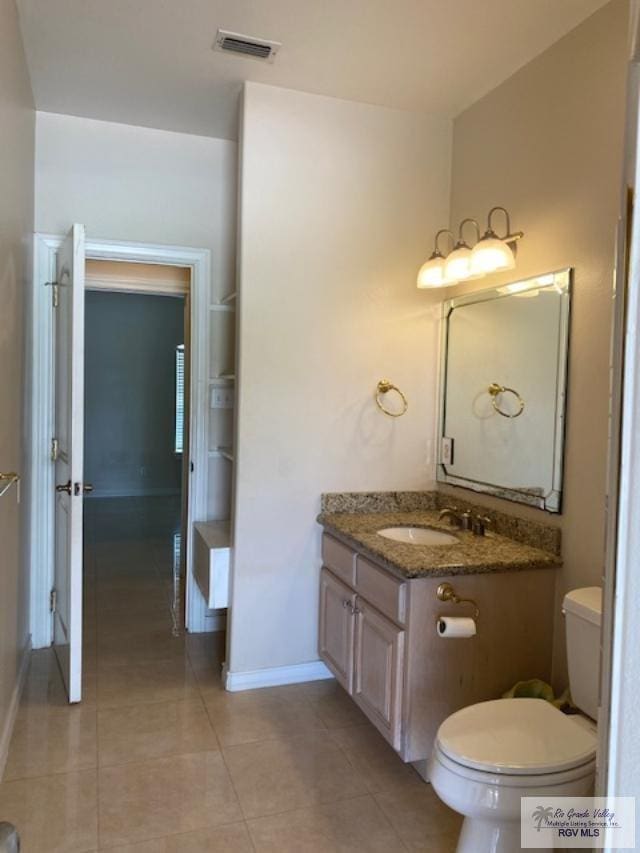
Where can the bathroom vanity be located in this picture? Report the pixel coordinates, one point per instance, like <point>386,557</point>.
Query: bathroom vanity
<point>379,610</point>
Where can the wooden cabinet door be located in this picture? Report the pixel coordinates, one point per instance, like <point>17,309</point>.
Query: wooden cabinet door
<point>337,604</point>
<point>379,665</point>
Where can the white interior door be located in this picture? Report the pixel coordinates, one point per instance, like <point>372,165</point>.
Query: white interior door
<point>69,425</point>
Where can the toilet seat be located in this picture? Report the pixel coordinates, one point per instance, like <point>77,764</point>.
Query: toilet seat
<point>526,785</point>
<point>515,737</point>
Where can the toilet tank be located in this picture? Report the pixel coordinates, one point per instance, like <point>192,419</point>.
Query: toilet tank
<point>583,613</point>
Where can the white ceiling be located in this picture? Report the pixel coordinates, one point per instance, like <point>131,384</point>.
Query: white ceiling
<point>149,62</point>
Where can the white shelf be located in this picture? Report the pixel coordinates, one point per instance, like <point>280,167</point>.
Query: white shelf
<point>222,452</point>
<point>212,541</point>
<point>216,534</point>
<point>225,304</point>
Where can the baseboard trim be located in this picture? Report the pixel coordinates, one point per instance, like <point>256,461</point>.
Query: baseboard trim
<point>275,676</point>
<point>7,728</point>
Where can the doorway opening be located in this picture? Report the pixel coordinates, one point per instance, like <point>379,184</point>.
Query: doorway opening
<point>57,375</point>
<point>135,446</point>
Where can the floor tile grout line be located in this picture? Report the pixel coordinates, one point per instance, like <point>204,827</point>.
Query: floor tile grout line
<point>233,784</point>
<point>171,754</point>
<point>251,838</point>
<point>277,739</point>
<point>319,804</point>
<point>210,721</point>
<point>50,775</point>
<point>388,819</point>
<point>176,835</point>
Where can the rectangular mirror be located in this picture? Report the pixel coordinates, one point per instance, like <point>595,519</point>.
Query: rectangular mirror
<point>503,388</point>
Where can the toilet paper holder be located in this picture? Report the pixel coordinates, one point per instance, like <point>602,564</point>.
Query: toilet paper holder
<point>446,592</point>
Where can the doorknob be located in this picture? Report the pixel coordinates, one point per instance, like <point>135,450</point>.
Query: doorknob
<point>80,488</point>
<point>66,488</point>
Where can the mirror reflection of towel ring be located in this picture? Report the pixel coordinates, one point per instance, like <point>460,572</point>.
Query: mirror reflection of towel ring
<point>384,386</point>
<point>495,390</point>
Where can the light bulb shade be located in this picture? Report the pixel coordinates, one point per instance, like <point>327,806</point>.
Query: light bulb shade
<point>491,255</point>
<point>431,273</point>
<point>458,265</point>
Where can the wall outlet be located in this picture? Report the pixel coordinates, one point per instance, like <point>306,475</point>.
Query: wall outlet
<point>222,398</point>
<point>446,451</point>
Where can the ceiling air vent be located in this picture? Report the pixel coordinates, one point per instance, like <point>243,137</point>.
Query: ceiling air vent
<point>254,48</point>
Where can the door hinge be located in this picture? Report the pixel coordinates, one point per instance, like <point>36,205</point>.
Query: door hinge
<point>54,449</point>
<point>55,292</point>
<point>53,600</point>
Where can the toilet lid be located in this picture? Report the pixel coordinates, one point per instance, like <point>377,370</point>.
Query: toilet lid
<point>515,736</point>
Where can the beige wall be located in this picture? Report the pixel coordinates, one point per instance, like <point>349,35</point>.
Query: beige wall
<point>547,144</point>
<point>137,183</point>
<point>17,119</point>
<point>337,199</point>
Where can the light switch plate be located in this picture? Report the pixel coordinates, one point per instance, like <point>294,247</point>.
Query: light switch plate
<point>446,451</point>
<point>222,398</point>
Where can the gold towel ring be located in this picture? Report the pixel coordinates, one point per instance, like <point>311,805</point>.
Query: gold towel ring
<point>494,389</point>
<point>384,386</point>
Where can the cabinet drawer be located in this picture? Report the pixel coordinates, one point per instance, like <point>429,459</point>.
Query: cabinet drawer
<point>381,589</point>
<point>338,558</point>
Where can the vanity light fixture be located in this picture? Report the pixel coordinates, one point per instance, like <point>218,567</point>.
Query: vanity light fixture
<point>493,253</point>
<point>490,253</point>
<point>458,264</point>
<point>431,272</point>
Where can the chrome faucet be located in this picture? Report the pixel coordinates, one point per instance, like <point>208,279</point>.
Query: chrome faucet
<point>480,524</point>
<point>466,520</point>
<point>463,520</point>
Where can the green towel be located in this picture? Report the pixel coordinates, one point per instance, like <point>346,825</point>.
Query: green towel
<point>535,688</point>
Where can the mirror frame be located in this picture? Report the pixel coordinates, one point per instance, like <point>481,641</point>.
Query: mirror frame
<point>552,501</point>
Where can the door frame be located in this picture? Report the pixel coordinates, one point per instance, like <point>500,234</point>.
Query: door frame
<point>619,717</point>
<point>40,400</point>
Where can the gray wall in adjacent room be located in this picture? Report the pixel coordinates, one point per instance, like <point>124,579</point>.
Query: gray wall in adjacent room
<point>130,393</point>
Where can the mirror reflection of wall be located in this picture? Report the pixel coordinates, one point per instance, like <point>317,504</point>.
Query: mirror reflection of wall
<point>502,407</point>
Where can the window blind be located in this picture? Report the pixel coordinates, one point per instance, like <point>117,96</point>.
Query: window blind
<point>179,432</point>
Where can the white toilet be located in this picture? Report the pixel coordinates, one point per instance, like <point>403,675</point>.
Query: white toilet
<point>487,756</point>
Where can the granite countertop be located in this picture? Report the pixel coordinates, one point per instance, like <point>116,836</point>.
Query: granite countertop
<point>474,554</point>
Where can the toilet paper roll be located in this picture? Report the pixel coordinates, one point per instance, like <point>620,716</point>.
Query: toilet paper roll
<point>450,627</point>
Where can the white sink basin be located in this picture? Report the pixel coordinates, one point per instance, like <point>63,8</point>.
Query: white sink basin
<point>418,536</point>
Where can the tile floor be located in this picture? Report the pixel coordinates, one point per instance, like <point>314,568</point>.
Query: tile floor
<point>158,758</point>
